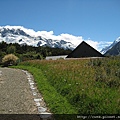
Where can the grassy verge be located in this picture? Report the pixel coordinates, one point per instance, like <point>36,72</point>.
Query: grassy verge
<point>57,103</point>
<point>78,86</point>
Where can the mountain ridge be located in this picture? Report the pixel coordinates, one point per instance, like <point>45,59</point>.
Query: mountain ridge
<point>24,36</point>
<point>21,35</point>
<point>114,51</point>
<point>104,50</point>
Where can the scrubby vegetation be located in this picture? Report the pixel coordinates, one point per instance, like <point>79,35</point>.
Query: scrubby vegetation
<point>10,59</point>
<point>83,86</point>
<point>25,52</point>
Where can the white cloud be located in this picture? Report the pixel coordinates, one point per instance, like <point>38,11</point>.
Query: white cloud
<point>73,39</point>
<point>76,40</point>
<point>103,44</point>
<point>92,43</point>
<point>45,34</point>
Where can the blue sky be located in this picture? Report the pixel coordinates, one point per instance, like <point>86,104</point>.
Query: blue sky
<point>98,20</point>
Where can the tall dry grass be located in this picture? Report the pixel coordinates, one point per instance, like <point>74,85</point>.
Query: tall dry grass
<point>91,86</point>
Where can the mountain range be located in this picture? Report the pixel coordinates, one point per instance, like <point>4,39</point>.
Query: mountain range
<point>23,36</point>
<point>18,35</point>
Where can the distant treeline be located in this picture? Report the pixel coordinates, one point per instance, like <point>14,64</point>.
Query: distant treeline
<point>25,52</point>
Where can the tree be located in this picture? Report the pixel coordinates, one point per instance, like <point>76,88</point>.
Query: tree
<point>11,49</point>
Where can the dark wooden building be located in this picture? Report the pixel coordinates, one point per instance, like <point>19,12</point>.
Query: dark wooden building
<point>84,50</point>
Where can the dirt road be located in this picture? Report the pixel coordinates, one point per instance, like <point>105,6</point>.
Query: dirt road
<point>15,94</point>
<point>19,95</point>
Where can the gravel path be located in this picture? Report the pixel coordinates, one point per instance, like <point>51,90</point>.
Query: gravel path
<point>15,94</point>
<point>19,94</point>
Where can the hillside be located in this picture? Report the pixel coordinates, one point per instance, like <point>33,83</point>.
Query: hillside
<point>104,50</point>
<point>25,52</point>
<point>114,51</point>
<point>84,86</point>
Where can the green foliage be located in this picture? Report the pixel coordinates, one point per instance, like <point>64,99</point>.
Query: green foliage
<point>57,103</point>
<point>25,52</point>
<point>11,50</point>
<point>90,86</point>
<point>108,72</point>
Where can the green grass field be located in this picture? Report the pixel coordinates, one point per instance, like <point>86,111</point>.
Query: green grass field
<point>82,86</point>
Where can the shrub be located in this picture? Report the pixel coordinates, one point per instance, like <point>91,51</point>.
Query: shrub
<point>10,59</point>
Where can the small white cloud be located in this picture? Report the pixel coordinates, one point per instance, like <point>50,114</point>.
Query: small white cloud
<point>76,40</point>
<point>45,34</point>
<point>103,44</point>
<point>92,43</point>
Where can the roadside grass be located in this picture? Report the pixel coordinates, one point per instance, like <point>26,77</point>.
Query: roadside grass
<point>57,103</point>
<point>83,86</point>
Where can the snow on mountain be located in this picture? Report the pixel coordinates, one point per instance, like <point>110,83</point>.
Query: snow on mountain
<point>21,35</point>
<point>114,51</point>
<point>104,50</point>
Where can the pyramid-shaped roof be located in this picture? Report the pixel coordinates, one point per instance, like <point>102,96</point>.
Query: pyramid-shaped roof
<point>84,50</point>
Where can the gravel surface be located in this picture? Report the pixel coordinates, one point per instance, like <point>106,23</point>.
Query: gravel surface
<point>15,94</point>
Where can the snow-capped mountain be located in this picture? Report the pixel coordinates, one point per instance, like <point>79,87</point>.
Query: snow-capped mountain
<point>114,51</point>
<point>104,50</point>
<point>21,35</point>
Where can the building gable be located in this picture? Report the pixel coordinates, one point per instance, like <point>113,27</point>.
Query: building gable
<point>84,50</point>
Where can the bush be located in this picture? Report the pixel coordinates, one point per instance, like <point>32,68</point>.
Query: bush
<point>10,59</point>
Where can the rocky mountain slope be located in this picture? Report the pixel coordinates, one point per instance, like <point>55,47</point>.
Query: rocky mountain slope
<point>11,34</point>
<point>23,36</point>
<point>106,49</point>
<point>114,51</point>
